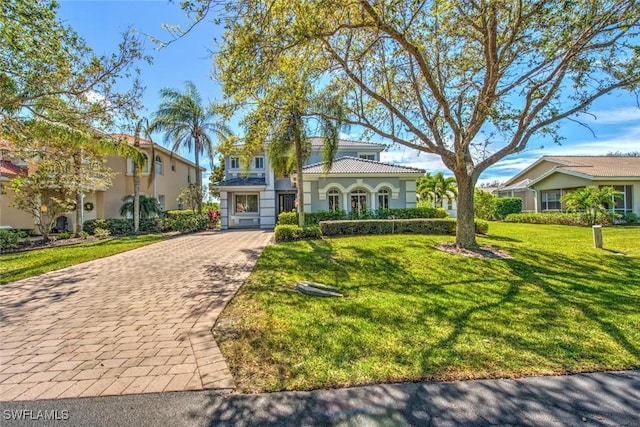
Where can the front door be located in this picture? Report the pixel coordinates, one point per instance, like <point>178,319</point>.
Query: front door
<point>286,203</point>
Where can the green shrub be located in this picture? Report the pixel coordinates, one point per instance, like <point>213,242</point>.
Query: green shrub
<point>484,205</point>
<point>288,218</point>
<point>402,226</point>
<point>631,218</point>
<point>311,232</point>
<point>556,218</point>
<point>482,226</point>
<point>287,233</point>
<point>84,235</point>
<point>504,206</point>
<point>189,223</point>
<point>64,235</point>
<point>180,212</point>
<point>8,239</point>
<point>101,233</point>
<point>314,218</point>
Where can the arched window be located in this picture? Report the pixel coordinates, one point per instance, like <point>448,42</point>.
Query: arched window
<point>358,201</point>
<point>334,200</point>
<point>159,169</point>
<point>383,199</point>
<point>145,170</point>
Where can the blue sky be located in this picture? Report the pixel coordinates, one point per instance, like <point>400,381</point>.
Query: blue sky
<point>616,124</point>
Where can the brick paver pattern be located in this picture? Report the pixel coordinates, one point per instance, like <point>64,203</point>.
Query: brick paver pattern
<point>136,322</point>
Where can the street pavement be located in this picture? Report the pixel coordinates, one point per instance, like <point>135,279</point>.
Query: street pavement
<point>598,399</point>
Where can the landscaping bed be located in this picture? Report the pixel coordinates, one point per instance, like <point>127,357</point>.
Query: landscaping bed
<point>411,312</point>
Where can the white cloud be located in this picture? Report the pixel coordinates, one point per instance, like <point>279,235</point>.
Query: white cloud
<point>613,116</point>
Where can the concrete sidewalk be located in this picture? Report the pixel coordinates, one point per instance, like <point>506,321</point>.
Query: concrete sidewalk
<point>611,399</point>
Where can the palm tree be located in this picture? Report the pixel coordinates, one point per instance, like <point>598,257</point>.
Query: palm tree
<point>189,124</point>
<point>149,206</point>
<point>436,187</point>
<point>281,121</point>
<point>142,127</point>
<point>592,200</point>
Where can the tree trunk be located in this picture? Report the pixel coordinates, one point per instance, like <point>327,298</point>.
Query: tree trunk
<point>466,229</point>
<point>136,189</point>
<point>300,201</point>
<point>77,163</point>
<point>136,199</point>
<point>198,177</point>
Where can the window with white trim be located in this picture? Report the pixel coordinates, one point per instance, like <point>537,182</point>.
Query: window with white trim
<point>551,200</point>
<point>383,199</point>
<point>161,200</point>
<point>159,167</point>
<point>246,203</point>
<point>235,162</point>
<point>367,156</point>
<point>623,203</point>
<point>145,169</point>
<point>334,200</point>
<point>358,201</point>
<point>258,162</point>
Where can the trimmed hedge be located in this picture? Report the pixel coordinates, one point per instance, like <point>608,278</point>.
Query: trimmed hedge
<point>504,206</point>
<point>179,212</point>
<point>290,218</point>
<point>290,232</point>
<point>183,223</point>
<point>557,218</point>
<point>314,218</point>
<point>385,226</point>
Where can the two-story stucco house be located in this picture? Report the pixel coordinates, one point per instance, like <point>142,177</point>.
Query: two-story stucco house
<point>172,174</point>
<point>357,181</point>
<point>541,185</point>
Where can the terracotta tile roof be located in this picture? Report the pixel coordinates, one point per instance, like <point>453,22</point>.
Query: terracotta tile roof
<point>347,165</point>
<point>599,166</point>
<point>10,169</point>
<point>343,143</point>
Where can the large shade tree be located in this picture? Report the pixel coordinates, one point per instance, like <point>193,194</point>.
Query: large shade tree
<point>469,81</point>
<point>188,123</point>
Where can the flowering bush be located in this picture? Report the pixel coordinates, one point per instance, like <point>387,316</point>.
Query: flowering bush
<point>214,217</point>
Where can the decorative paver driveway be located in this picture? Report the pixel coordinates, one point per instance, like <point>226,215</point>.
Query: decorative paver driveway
<point>136,322</point>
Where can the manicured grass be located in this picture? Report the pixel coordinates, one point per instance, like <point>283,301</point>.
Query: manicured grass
<point>411,312</point>
<point>20,265</point>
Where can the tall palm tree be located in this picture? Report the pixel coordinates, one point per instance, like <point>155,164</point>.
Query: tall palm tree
<point>281,121</point>
<point>142,127</point>
<point>189,124</point>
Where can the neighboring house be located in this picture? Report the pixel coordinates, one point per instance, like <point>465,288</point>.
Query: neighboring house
<point>357,181</point>
<point>541,185</point>
<point>10,216</point>
<point>172,174</point>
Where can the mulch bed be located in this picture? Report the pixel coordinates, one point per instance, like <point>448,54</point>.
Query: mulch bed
<point>480,252</point>
<point>53,243</point>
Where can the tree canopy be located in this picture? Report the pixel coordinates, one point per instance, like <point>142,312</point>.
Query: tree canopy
<point>469,81</point>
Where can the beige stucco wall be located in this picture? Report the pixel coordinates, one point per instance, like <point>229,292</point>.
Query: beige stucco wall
<point>168,184</point>
<point>534,172</point>
<point>10,216</point>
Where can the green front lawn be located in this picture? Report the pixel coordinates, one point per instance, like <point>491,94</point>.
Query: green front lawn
<point>412,312</point>
<point>20,265</point>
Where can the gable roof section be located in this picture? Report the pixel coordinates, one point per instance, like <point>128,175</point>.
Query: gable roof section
<point>585,166</point>
<point>146,143</point>
<point>597,168</point>
<point>353,165</point>
<point>600,166</point>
